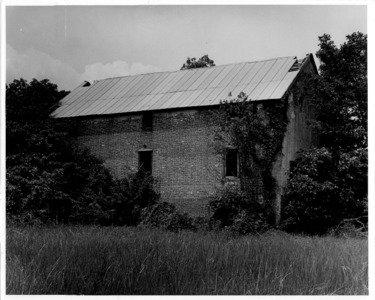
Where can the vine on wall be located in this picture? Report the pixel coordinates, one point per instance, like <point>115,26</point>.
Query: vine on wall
<point>257,130</point>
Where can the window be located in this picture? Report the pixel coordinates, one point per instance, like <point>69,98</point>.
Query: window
<point>147,119</point>
<point>231,162</point>
<point>145,161</point>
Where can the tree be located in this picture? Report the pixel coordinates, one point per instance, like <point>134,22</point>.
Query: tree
<point>31,101</point>
<point>193,63</point>
<point>28,106</point>
<point>50,179</point>
<point>321,194</point>
<point>343,94</point>
<point>328,184</point>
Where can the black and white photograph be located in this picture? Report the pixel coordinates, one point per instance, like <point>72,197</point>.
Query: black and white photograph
<point>184,149</point>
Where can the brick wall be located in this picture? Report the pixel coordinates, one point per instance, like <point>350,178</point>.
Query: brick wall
<point>186,163</point>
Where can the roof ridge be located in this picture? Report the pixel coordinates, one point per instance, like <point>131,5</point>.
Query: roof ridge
<point>235,63</point>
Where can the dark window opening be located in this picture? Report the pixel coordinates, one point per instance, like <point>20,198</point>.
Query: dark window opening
<point>145,161</point>
<point>231,162</point>
<point>147,119</point>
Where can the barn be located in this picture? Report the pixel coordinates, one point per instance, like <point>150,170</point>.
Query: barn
<point>158,121</point>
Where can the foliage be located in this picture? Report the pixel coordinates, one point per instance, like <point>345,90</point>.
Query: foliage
<point>193,63</point>
<point>105,201</point>
<point>205,224</point>
<point>328,184</point>
<point>339,94</point>
<point>31,101</point>
<point>343,106</point>
<point>257,131</point>
<point>165,215</point>
<point>131,195</point>
<point>28,106</point>
<point>319,196</point>
<point>52,186</point>
<point>34,149</point>
<point>50,179</point>
<point>350,228</point>
<point>79,191</point>
<point>76,260</point>
<point>238,213</point>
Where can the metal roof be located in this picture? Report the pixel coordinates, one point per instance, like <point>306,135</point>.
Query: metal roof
<point>260,80</point>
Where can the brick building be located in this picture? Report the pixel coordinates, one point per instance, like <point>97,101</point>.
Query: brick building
<point>160,121</point>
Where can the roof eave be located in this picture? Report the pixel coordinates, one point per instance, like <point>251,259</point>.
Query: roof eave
<point>205,107</point>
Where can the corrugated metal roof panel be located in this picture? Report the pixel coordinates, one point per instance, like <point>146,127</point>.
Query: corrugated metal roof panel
<point>150,89</point>
<point>126,84</point>
<point>92,93</point>
<point>261,80</point>
<point>284,85</point>
<point>137,104</point>
<point>73,95</point>
<point>218,76</point>
<point>277,79</point>
<point>195,76</point>
<point>156,104</point>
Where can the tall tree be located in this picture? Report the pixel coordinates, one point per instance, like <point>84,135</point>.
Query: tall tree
<point>49,178</point>
<point>343,92</point>
<point>45,173</point>
<point>31,101</point>
<point>328,184</point>
<point>28,106</point>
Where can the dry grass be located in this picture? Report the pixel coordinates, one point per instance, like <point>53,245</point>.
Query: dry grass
<point>108,261</point>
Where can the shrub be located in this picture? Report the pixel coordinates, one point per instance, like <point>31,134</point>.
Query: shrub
<point>234,211</point>
<point>165,215</point>
<point>51,180</point>
<point>321,193</point>
<point>351,228</point>
<point>201,223</point>
<point>131,195</point>
<point>226,205</point>
<point>180,221</point>
<point>248,222</point>
<point>79,190</point>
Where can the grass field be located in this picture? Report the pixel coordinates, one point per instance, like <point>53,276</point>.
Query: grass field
<point>97,260</point>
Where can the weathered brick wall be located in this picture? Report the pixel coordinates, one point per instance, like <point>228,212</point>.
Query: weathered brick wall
<point>186,163</point>
<point>299,135</point>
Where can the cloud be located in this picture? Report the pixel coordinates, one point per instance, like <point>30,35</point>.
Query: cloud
<point>117,68</point>
<point>36,64</point>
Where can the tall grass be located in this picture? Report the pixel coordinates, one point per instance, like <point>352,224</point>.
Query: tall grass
<point>94,260</point>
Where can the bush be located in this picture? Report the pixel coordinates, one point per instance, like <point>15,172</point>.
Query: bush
<point>248,222</point>
<point>79,191</point>
<point>321,193</point>
<point>165,215</point>
<point>227,204</point>
<point>203,224</point>
<point>350,228</point>
<point>56,186</point>
<point>130,195</point>
<point>51,180</point>
<point>234,211</point>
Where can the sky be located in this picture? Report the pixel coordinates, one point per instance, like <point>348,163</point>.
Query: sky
<point>70,44</point>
